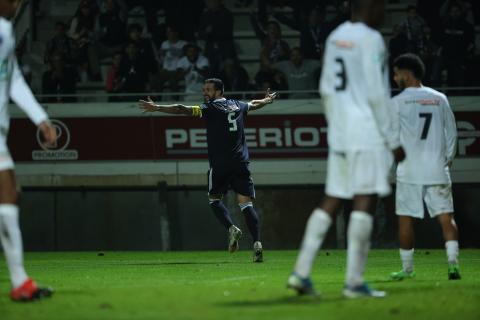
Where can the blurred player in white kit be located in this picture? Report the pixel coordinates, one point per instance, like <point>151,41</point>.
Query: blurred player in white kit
<point>361,138</point>
<point>429,134</point>
<point>13,86</point>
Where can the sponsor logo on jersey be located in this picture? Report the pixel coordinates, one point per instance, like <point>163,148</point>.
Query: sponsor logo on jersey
<point>344,44</point>
<point>424,102</point>
<point>57,151</point>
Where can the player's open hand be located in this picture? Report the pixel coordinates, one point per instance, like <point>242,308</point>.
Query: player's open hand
<point>269,97</point>
<point>147,105</point>
<point>49,133</point>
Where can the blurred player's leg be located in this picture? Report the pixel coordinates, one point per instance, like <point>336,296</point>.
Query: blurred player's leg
<point>359,231</point>
<point>317,227</point>
<point>9,229</point>
<point>450,234</point>
<point>24,289</point>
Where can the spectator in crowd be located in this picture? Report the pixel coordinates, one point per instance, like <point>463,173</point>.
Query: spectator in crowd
<point>301,74</point>
<point>113,84</point>
<point>59,80</point>
<point>300,9</point>
<point>112,25</point>
<point>413,26</point>
<point>144,46</point>
<point>82,31</point>
<point>151,8</point>
<point>235,77</point>
<point>397,45</point>
<point>194,68</point>
<point>171,51</point>
<point>216,28</point>
<point>430,11</point>
<point>429,52</point>
<point>465,6</point>
<point>272,79</point>
<point>274,48</point>
<point>457,42</point>
<point>313,32</point>
<point>186,21</point>
<point>61,44</point>
<point>133,72</point>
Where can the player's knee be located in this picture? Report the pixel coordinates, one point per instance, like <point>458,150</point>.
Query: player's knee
<point>447,221</point>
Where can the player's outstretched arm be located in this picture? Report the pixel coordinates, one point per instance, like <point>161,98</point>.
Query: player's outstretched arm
<point>258,104</point>
<point>22,95</point>
<point>150,106</point>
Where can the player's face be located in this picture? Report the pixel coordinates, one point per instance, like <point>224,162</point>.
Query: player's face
<point>400,77</point>
<point>8,8</point>
<point>210,93</point>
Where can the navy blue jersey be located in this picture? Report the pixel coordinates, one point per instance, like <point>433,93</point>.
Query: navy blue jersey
<point>225,131</point>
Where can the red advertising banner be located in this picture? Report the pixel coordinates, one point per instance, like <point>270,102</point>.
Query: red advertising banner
<point>155,138</point>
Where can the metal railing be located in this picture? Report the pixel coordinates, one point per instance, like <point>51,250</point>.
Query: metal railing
<point>180,96</point>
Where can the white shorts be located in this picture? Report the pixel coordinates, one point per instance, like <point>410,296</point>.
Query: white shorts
<point>6,162</point>
<point>362,172</point>
<point>409,199</point>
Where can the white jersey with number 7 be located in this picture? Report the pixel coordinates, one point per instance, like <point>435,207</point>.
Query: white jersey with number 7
<point>428,133</point>
<point>355,90</point>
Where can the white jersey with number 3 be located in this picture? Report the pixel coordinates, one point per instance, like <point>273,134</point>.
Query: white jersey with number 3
<point>354,88</point>
<point>428,133</point>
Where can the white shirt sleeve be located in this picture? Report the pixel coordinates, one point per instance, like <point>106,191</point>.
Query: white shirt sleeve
<point>450,132</point>
<point>374,63</point>
<point>23,97</point>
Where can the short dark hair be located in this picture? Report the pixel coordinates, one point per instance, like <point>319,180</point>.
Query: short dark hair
<point>217,83</point>
<point>411,62</point>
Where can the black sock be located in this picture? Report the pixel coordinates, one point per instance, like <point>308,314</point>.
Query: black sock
<point>251,220</point>
<point>221,212</point>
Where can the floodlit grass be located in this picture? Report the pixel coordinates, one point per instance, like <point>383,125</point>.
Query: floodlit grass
<point>219,285</point>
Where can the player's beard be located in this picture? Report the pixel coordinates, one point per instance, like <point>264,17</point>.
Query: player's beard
<point>402,84</point>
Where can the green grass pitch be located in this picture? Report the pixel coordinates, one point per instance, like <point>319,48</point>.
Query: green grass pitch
<point>219,285</point>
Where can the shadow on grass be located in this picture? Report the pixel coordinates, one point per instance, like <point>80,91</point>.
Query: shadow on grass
<point>279,301</point>
<point>179,263</point>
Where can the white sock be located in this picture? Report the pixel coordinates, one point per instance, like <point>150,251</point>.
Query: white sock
<point>359,231</point>
<point>407,259</point>
<point>452,251</point>
<point>11,239</point>
<point>317,228</point>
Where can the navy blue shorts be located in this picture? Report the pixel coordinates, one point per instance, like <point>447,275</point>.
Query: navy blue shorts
<point>234,176</point>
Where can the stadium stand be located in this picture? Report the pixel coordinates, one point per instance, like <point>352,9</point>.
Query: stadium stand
<point>247,47</point>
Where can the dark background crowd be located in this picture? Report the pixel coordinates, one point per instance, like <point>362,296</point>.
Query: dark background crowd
<point>166,57</point>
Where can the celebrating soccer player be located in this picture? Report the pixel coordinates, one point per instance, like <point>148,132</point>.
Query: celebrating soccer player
<point>13,86</point>
<point>227,154</point>
<point>429,134</point>
<point>354,88</point>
